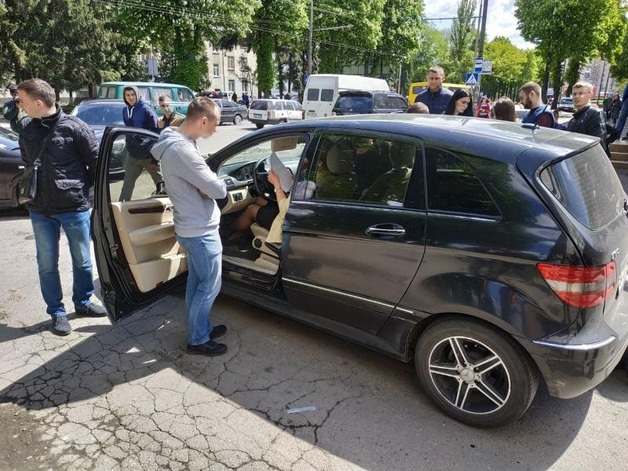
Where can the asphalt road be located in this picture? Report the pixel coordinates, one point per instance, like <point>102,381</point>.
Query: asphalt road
<point>126,397</point>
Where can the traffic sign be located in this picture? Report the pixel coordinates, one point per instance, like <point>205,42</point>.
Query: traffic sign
<point>471,79</point>
<point>479,61</point>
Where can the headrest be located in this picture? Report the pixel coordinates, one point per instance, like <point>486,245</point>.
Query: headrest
<point>401,155</point>
<point>339,160</point>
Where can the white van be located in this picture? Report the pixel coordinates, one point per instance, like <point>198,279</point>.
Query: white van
<point>321,91</point>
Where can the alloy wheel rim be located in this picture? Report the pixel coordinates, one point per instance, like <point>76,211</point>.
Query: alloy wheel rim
<point>469,375</point>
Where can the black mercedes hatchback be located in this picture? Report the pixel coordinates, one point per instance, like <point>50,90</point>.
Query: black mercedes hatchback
<point>492,255</point>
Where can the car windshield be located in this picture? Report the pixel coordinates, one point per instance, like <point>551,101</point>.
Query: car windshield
<point>101,114</point>
<point>8,139</point>
<point>566,101</point>
<point>588,187</point>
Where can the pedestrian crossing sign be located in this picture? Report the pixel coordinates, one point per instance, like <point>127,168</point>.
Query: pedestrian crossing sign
<point>471,79</point>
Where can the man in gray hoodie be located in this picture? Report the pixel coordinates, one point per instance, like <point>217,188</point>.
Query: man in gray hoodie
<point>193,189</point>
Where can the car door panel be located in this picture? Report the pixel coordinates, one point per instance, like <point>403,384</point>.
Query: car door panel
<point>138,257</point>
<point>333,265</point>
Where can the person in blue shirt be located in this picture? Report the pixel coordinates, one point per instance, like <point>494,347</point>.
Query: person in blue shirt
<point>138,114</point>
<point>435,96</point>
<point>539,114</point>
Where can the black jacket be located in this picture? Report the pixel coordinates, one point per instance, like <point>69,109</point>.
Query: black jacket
<point>68,165</point>
<point>588,120</point>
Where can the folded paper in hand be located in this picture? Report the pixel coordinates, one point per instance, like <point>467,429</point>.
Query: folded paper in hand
<point>285,176</point>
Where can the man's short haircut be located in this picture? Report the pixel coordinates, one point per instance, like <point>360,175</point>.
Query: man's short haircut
<point>203,107</point>
<point>437,69</point>
<point>530,87</point>
<point>582,84</point>
<point>163,99</point>
<point>39,90</point>
<point>418,108</point>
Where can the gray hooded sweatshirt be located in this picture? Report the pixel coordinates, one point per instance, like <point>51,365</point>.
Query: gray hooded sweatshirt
<point>191,185</point>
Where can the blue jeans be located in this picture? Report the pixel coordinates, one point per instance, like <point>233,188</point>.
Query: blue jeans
<point>204,256</point>
<point>47,231</point>
<point>623,114</point>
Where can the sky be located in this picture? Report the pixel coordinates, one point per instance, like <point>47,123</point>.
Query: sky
<point>500,20</point>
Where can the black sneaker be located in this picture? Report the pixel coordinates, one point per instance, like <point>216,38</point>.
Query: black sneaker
<point>209,348</point>
<point>61,326</point>
<point>91,310</point>
<point>218,331</point>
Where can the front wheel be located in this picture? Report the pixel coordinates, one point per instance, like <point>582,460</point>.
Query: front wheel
<point>476,373</point>
<point>237,119</point>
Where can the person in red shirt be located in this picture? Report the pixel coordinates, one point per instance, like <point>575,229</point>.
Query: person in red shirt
<point>484,108</point>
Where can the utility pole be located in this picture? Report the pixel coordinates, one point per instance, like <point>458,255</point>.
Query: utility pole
<point>309,44</point>
<point>483,14</point>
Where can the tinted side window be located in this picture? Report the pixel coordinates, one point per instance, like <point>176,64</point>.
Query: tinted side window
<point>167,92</point>
<point>289,106</point>
<point>102,92</point>
<point>327,94</point>
<point>312,94</point>
<point>278,105</point>
<point>362,169</point>
<point>452,185</point>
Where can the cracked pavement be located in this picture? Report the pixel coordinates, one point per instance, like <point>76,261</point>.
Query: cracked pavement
<point>127,397</point>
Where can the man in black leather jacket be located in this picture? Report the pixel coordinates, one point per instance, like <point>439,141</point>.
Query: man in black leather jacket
<point>587,119</point>
<point>67,169</point>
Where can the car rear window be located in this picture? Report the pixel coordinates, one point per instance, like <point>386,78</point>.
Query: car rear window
<point>587,186</point>
<point>355,103</point>
<point>259,105</point>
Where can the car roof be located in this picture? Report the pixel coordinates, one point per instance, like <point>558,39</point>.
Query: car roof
<point>488,138</point>
<point>101,101</point>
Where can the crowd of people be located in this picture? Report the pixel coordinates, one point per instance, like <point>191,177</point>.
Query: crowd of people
<point>606,123</point>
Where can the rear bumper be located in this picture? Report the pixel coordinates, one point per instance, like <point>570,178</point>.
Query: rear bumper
<point>264,121</point>
<point>572,364</point>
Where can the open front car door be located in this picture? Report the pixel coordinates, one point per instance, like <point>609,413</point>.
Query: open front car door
<point>137,255</point>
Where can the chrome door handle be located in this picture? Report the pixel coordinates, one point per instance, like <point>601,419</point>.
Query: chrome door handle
<point>386,230</point>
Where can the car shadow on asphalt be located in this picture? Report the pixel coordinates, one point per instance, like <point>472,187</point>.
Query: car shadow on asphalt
<point>359,405</point>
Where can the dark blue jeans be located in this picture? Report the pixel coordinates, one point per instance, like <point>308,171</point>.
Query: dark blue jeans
<point>621,122</point>
<point>47,231</point>
<point>204,256</point>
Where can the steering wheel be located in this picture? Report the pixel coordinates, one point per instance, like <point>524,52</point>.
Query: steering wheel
<point>260,179</point>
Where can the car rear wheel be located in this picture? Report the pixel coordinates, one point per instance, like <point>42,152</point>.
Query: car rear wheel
<point>476,373</point>
<point>259,125</point>
<point>237,119</point>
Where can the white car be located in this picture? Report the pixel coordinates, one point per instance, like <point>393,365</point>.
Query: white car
<point>273,111</point>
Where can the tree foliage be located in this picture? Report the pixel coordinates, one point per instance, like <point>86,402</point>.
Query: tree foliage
<point>461,40</point>
<point>571,29</point>
<point>180,29</point>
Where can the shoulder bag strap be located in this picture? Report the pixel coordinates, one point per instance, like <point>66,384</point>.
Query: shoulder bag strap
<point>37,161</point>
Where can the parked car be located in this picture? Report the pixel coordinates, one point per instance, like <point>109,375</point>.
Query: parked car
<point>367,102</point>
<point>492,255</point>
<point>10,165</point>
<point>566,104</point>
<point>180,96</point>
<point>98,114</point>
<point>231,112</point>
<point>273,111</point>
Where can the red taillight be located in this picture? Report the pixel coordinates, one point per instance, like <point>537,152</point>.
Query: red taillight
<point>580,286</point>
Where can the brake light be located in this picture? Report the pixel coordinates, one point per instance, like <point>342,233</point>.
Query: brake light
<point>580,286</point>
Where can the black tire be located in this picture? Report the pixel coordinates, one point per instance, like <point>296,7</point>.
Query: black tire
<point>259,125</point>
<point>237,119</point>
<point>447,358</point>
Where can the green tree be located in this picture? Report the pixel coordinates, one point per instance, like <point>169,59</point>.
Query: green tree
<point>576,29</point>
<point>180,29</point>
<point>461,40</point>
<point>510,68</point>
<point>401,28</point>
<point>433,50</point>
<point>337,48</point>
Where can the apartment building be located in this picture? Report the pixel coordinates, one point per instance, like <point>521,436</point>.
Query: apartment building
<point>232,70</point>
